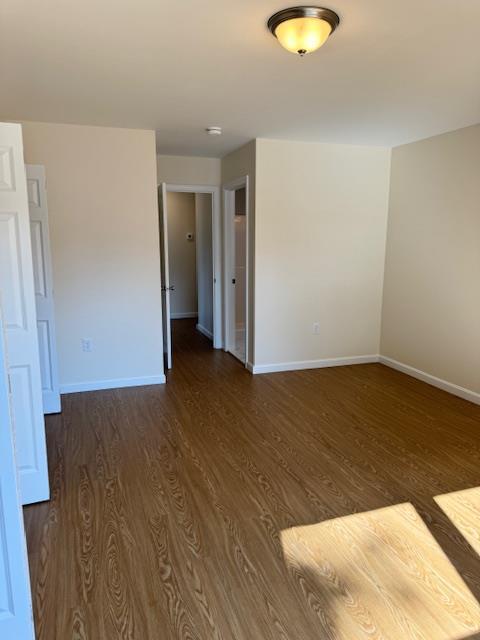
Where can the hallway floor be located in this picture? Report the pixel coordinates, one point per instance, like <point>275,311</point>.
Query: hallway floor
<point>305,505</point>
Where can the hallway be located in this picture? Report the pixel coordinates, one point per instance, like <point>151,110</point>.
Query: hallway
<point>216,507</point>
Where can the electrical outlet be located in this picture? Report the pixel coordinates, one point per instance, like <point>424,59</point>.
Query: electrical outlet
<point>316,328</point>
<point>86,345</point>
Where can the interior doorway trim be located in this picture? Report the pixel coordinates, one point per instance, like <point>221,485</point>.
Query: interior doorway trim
<point>216,252</point>
<point>229,189</point>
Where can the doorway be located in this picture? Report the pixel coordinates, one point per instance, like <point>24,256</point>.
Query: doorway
<point>190,262</point>
<point>236,268</point>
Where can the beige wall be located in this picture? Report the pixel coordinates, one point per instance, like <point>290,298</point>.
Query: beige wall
<point>237,164</point>
<point>181,253</point>
<point>101,187</point>
<point>188,170</point>
<point>431,310</point>
<point>321,217</point>
<point>318,216</point>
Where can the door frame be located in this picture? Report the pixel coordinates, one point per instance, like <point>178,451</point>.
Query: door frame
<point>216,251</point>
<point>228,190</point>
<point>164,277</point>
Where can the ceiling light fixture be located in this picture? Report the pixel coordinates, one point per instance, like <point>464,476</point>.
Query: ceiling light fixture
<point>214,131</point>
<point>303,29</point>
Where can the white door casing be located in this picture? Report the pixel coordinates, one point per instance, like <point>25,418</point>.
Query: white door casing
<point>15,599</point>
<point>43,285</point>
<point>218,330</point>
<point>18,300</point>
<point>230,267</point>
<point>240,245</point>
<point>165,273</point>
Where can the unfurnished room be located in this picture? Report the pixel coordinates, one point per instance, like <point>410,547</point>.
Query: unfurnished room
<point>239,320</point>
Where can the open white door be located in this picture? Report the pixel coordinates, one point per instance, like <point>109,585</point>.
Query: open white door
<point>18,299</point>
<point>43,284</point>
<point>15,599</point>
<point>166,287</point>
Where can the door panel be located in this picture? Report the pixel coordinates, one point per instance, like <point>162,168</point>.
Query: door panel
<point>38,257</point>
<point>45,358</point>
<point>43,287</point>
<point>24,412</point>
<point>17,294</point>
<point>13,294</point>
<point>15,599</point>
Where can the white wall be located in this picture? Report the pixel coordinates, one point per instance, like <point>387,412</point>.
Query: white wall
<point>431,310</point>
<point>103,216</point>
<point>203,225</point>
<point>321,218</point>
<point>182,255</point>
<point>188,170</point>
<point>318,217</point>
<point>237,164</point>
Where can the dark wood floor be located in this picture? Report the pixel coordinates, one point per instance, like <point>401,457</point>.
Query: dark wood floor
<point>171,505</point>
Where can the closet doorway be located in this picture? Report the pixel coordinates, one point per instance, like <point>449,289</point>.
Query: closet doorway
<point>236,231</point>
<point>190,261</point>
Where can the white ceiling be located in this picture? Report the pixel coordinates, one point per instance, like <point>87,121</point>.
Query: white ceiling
<point>393,72</point>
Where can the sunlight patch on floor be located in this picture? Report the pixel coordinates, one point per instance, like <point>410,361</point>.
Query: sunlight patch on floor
<point>463,509</point>
<point>379,575</point>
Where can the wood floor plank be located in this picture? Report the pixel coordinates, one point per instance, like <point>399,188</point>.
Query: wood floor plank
<point>463,509</point>
<point>211,508</point>
<point>386,575</point>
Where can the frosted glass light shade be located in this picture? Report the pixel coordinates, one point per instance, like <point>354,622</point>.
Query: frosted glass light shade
<point>303,35</point>
<point>302,30</point>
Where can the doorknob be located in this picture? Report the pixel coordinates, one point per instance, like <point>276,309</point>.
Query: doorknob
<point>170,288</point>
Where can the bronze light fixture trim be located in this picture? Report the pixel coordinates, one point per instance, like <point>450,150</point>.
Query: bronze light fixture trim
<point>302,30</point>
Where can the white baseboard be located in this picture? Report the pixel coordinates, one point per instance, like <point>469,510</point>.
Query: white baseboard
<point>205,331</point>
<point>51,403</point>
<point>119,383</point>
<point>311,364</point>
<point>186,314</point>
<point>461,392</point>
